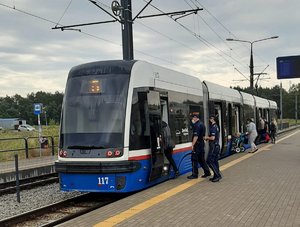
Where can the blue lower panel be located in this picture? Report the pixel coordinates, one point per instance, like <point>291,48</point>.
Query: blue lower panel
<point>88,182</point>
<point>120,182</point>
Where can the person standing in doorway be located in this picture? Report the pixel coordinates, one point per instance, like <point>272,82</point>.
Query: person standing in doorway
<point>252,134</point>
<point>214,149</point>
<point>167,146</point>
<point>198,152</point>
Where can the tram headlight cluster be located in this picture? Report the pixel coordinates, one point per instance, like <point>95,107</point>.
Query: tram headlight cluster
<point>63,153</point>
<point>113,154</point>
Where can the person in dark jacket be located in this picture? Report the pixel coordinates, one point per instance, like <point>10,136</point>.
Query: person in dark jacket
<point>198,152</point>
<point>167,146</point>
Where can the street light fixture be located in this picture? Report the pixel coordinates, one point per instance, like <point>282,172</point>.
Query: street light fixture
<point>251,54</point>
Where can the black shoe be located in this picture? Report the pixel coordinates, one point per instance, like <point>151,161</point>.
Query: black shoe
<point>217,179</point>
<point>176,174</point>
<point>206,175</point>
<point>214,178</point>
<point>192,177</point>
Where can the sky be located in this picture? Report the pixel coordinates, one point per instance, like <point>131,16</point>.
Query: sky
<point>34,57</point>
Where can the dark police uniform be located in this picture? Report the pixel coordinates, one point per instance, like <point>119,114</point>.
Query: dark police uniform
<point>214,150</point>
<point>198,152</point>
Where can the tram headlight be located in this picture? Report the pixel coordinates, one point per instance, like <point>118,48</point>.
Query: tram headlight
<point>63,153</point>
<point>109,154</point>
<point>117,153</point>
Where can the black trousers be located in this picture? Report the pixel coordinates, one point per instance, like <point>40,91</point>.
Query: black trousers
<point>168,154</point>
<point>198,157</point>
<point>212,159</point>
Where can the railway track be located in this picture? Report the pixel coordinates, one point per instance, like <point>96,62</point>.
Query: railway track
<point>10,187</point>
<point>61,212</point>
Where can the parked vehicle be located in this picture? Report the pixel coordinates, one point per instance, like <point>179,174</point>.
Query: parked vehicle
<point>26,128</point>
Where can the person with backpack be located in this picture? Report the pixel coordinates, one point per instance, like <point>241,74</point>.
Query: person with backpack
<point>273,129</point>
<point>167,146</point>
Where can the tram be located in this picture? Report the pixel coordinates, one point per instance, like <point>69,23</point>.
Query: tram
<point>111,123</point>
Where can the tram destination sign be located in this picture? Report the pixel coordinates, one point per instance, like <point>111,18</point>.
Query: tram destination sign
<point>288,67</point>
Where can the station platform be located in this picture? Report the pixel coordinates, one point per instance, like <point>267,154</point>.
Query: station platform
<point>259,189</point>
<point>27,168</point>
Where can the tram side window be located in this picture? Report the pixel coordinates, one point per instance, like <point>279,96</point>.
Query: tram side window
<point>248,113</point>
<point>178,117</point>
<point>139,136</point>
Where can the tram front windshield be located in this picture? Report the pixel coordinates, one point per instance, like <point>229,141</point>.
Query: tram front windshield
<point>93,113</point>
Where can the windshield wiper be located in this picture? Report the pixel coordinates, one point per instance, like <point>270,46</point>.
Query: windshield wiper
<point>85,147</point>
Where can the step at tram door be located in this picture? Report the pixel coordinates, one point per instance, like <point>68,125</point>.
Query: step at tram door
<point>157,110</point>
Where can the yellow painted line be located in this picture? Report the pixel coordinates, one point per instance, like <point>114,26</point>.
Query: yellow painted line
<point>159,198</point>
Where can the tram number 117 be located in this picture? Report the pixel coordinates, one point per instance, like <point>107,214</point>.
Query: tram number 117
<point>102,180</point>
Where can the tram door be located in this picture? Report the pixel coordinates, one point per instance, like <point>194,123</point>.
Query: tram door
<point>218,114</point>
<point>155,118</point>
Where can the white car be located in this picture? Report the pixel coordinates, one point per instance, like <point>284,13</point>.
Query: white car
<point>26,128</point>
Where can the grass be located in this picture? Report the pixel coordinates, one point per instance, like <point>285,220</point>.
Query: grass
<point>15,141</point>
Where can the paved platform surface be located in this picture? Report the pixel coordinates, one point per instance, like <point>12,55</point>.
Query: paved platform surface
<point>260,189</point>
<point>9,166</point>
<point>31,167</point>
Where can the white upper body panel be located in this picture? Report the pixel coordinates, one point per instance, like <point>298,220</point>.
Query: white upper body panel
<point>219,92</point>
<point>145,74</point>
<point>247,99</point>
<point>261,102</point>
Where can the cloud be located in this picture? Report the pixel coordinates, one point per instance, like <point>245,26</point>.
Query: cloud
<point>35,57</point>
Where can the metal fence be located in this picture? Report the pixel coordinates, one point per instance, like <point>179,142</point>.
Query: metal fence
<point>28,144</point>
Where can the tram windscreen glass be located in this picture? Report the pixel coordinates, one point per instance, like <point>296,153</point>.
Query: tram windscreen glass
<point>94,110</point>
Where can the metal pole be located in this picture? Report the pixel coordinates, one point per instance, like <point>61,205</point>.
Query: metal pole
<point>281,106</point>
<point>296,108</point>
<point>127,40</point>
<point>17,178</point>
<point>46,118</point>
<point>40,134</point>
<point>251,68</point>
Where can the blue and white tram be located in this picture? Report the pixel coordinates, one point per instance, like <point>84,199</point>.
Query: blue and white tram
<point>111,122</point>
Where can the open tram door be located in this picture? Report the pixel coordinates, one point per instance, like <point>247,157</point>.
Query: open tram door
<point>155,118</point>
<point>218,115</point>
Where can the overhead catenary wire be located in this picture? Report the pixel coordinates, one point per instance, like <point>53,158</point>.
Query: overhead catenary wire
<point>106,40</point>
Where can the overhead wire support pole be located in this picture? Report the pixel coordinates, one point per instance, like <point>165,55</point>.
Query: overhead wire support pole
<point>124,12</point>
<point>95,3</point>
<point>251,66</point>
<point>78,25</point>
<point>142,10</point>
<point>171,13</point>
<point>185,15</point>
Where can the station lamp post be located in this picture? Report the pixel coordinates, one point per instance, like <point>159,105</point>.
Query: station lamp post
<point>251,54</point>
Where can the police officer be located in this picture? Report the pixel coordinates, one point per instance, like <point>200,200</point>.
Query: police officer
<point>198,148</point>
<point>214,149</point>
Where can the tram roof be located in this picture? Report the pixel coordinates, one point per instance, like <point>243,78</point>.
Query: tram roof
<point>248,99</point>
<point>261,102</point>
<point>144,74</point>
<point>273,104</point>
<point>219,92</point>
